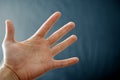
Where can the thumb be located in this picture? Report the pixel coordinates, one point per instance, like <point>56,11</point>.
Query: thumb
<point>9,36</point>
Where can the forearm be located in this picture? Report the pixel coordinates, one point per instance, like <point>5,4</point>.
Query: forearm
<point>7,74</point>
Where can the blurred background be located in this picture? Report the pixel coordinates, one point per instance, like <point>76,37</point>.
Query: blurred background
<point>97,28</point>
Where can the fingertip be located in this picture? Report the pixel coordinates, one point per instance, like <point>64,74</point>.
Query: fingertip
<point>76,59</point>
<point>72,23</point>
<point>73,61</point>
<point>58,12</point>
<point>7,21</point>
<point>74,37</point>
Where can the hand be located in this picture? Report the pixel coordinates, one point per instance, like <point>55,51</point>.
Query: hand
<point>35,56</point>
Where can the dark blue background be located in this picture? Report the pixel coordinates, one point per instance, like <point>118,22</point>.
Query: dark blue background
<point>97,28</point>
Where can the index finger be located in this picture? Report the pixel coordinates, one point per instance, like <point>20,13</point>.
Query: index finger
<point>43,30</point>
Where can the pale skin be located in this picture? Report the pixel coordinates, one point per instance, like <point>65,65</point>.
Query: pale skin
<point>35,56</point>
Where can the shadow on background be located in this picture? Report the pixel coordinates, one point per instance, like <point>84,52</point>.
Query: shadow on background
<point>97,28</point>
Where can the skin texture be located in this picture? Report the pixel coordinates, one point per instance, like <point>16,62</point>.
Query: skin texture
<point>7,74</point>
<point>35,56</point>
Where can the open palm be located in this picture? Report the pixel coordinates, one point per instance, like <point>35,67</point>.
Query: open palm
<point>35,56</point>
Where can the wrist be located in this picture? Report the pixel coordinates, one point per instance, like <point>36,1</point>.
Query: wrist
<point>7,73</point>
